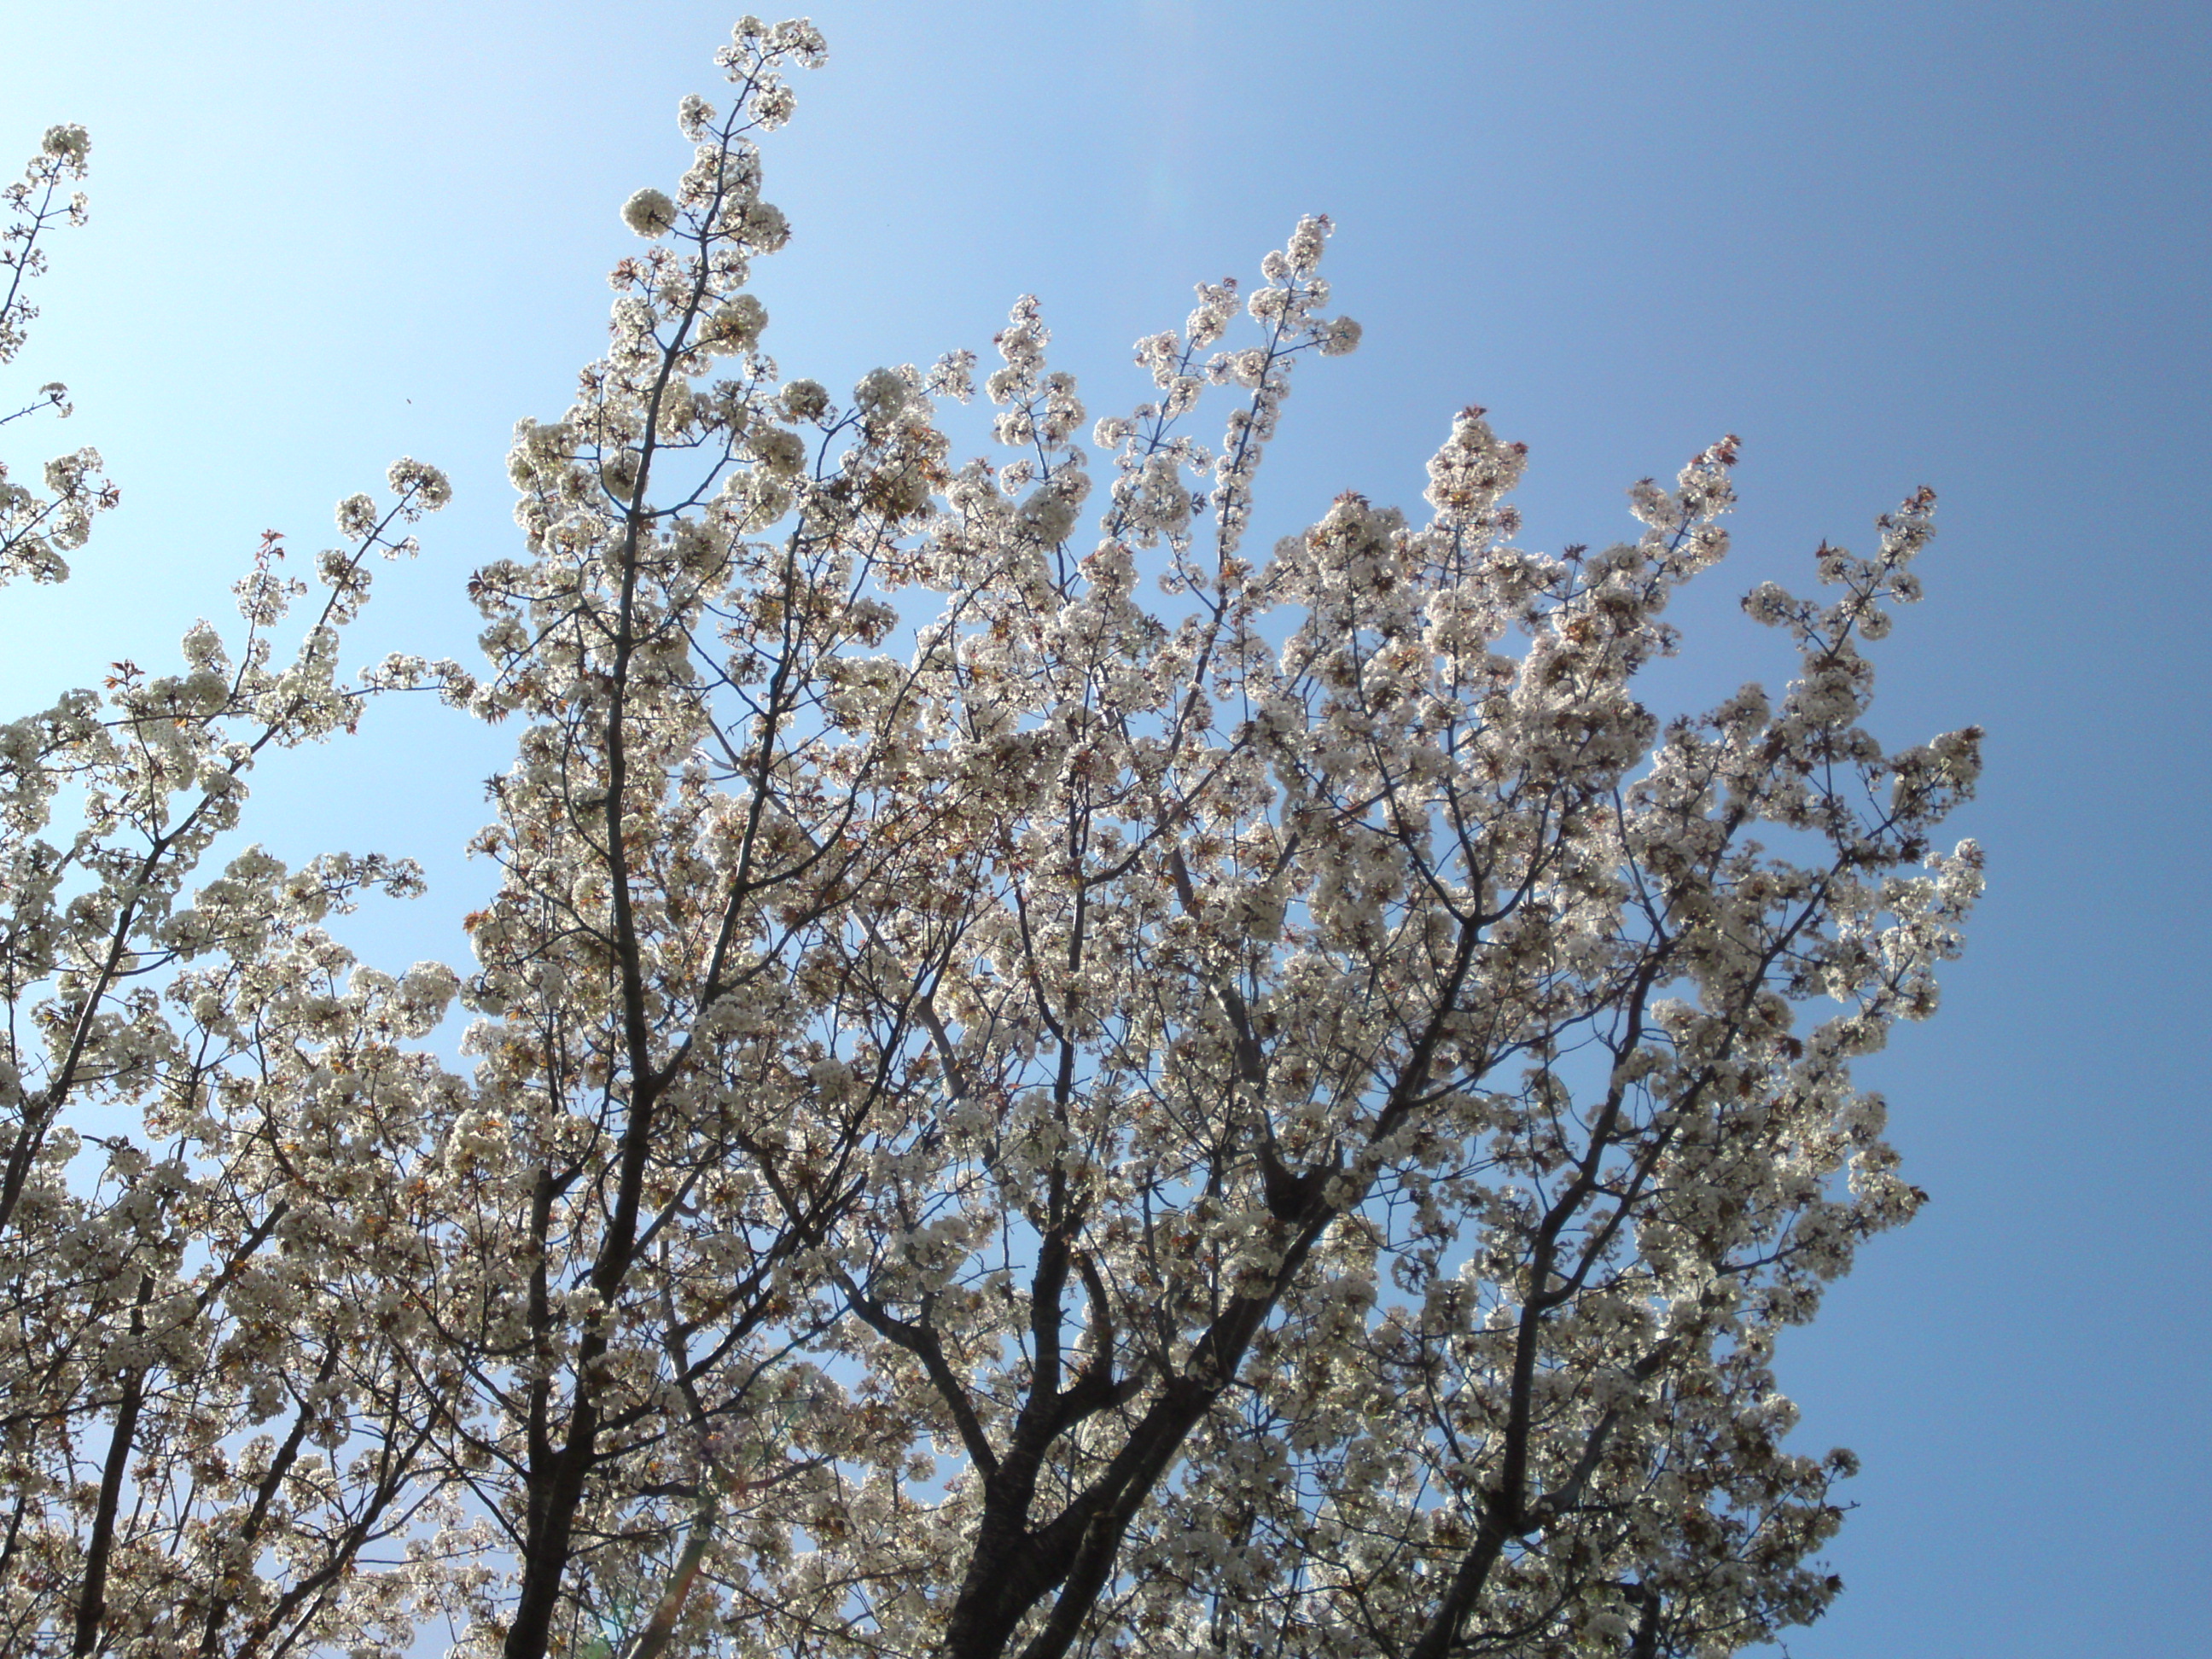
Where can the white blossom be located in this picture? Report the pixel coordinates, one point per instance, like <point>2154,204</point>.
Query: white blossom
<point>805,400</point>
<point>650,213</point>
<point>67,143</point>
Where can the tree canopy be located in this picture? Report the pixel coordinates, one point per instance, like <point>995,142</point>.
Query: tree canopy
<point>1040,1077</point>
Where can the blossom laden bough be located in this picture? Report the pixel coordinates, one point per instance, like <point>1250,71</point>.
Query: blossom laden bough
<point>36,530</point>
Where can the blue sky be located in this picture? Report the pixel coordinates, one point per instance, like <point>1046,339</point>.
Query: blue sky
<point>1961,244</point>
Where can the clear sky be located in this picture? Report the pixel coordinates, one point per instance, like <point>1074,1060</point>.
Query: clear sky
<point>1889,244</point>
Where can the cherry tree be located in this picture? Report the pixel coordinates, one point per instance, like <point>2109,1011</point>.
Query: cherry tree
<point>1002,1115</point>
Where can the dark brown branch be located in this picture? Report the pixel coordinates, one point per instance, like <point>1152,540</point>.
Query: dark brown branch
<point>99,1547</point>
